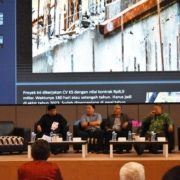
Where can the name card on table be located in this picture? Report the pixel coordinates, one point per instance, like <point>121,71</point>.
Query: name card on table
<point>59,139</point>
<point>76,139</point>
<point>142,139</point>
<point>161,139</point>
<point>47,138</point>
<point>121,139</point>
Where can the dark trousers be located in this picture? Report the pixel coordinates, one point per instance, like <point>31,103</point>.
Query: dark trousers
<point>122,133</point>
<point>55,149</point>
<point>152,148</point>
<point>96,137</point>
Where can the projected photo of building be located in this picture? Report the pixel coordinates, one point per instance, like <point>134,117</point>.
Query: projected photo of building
<point>105,36</point>
<point>163,97</point>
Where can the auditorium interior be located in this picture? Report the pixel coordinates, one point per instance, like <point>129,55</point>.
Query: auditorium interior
<point>94,166</point>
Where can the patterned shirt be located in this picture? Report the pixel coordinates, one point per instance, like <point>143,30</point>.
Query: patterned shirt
<point>159,122</point>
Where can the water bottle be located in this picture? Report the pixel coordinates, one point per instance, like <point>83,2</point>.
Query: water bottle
<point>153,136</point>
<point>129,136</point>
<point>51,136</point>
<point>69,136</point>
<point>114,136</point>
<point>33,136</point>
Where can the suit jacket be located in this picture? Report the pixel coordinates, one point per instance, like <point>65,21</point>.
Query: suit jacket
<point>110,120</point>
<point>39,170</point>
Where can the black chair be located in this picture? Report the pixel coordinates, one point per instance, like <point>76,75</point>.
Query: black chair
<point>55,149</point>
<point>78,131</point>
<point>13,139</point>
<point>122,147</point>
<point>170,136</point>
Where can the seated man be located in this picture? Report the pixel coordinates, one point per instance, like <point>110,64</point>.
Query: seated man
<point>90,123</point>
<point>118,122</point>
<point>39,168</point>
<point>51,122</point>
<point>158,122</point>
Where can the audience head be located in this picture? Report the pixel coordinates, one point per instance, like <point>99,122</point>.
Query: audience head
<point>90,109</point>
<point>132,171</point>
<point>172,174</point>
<point>117,109</point>
<point>40,150</point>
<point>51,110</point>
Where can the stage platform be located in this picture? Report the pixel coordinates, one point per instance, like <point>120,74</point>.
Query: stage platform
<point>94,166</point>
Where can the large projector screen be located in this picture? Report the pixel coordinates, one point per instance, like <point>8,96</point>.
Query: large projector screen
<point>92,51</point>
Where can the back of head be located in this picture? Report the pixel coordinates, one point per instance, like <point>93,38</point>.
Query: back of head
<point>40,150</point>
<point>172,174</point>
<point>132,171</point>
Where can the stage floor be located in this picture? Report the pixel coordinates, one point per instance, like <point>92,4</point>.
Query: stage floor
<point>94,166</point>
<point>93,156</point>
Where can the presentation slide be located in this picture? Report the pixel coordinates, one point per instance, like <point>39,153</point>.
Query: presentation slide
<point>89,51</point>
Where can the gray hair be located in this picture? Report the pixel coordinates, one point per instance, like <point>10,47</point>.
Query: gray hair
<point>132,171</point>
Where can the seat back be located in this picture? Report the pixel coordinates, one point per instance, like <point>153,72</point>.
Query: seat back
<point>6,128</point>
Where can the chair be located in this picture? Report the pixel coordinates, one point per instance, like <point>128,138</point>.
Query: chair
<point>55,149</point>
<point>170,136</point>
<point>78,132</point>
<point>13,139</point>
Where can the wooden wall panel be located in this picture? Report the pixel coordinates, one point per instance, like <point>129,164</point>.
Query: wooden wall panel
<point>130,110</point>
<point>7,113</point>
<point>102,109</point>
<point>69,112</point>
<point>175,114</point>
<point>93,169</point>
<point>28,115</point>
<point>144,110</point>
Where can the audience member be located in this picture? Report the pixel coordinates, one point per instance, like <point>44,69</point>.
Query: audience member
<point>39,168</point>
<point>90,123</point>
<point>132,171</point>
<point>172,174</point>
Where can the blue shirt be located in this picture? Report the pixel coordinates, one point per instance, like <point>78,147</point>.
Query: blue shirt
<point>94,117</point>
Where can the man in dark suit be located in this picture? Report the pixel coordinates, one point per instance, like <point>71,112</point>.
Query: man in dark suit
<point>118,122</point>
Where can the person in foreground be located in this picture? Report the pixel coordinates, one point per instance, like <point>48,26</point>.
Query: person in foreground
<point>172,174</point>
<point>132,171</point>
<point>39,168</point>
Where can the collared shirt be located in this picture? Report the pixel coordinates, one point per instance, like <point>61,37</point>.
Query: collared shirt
<point>94,117</point>
<point>117,124</point>
<point>159,122</point>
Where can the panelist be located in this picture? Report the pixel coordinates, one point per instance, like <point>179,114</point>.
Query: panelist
<point>51,122</point>
<point>90,123</point>
<point>118,122</point>
<point>159,123</point>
